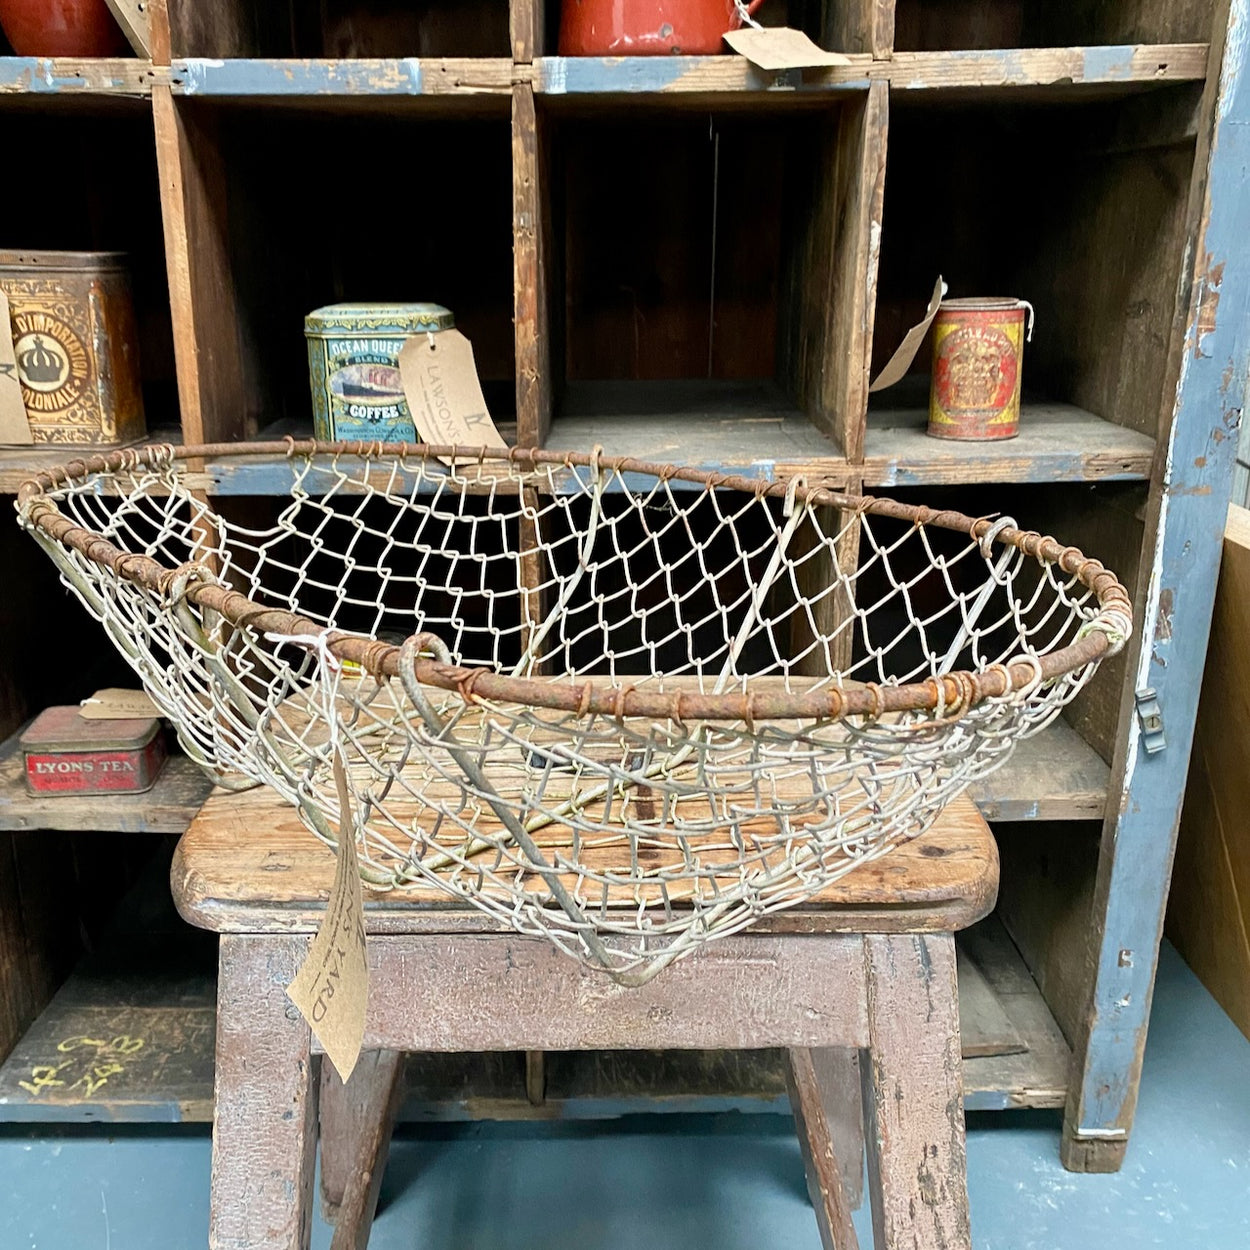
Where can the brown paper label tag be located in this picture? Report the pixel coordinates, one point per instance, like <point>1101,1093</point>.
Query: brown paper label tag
<point>14,427</point>
<point>331,988</point>
<point>781,47</point>
<point>898,364</point>
<point>115,704</point>
<point>443,392</point>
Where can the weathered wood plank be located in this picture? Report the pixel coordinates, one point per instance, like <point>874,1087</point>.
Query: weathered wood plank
<point>503,992</point>
<point>265,1123</point>
<point>820,1158</point>
<point>913,1095</point>
<point>356,1123</point>
<point>582,76</point>
<point>1036,1076</point>
<point>309,79</point>
<point>106,76</point>
<point>532,261</point>
<point>132,17</point>
<point>1055,775</point>
<point>1202,402</point>
<point>984,1026</point>
<point>247,864</point>
<point>211,389</point>
<point>1056,443</point>
<point>1124,65</point>
<point>168,807</point>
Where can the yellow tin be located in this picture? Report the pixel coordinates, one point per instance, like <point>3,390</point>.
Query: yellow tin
<point>978,349</point>
<point>74,338</point>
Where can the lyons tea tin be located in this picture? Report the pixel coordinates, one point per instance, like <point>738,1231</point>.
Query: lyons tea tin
<point>978,345</point>
<point>353,362</point>
<point>73,327</point>
<point>66,753</point>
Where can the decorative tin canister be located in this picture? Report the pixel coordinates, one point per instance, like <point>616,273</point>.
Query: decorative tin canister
<point>978,346</point>
<point>73,326</point>
<point>68,754</point>
<point>353,360</point>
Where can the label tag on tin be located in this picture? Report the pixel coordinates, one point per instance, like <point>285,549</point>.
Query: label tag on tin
<point>115,704</point>
<point>781,47</point>
<point>331,988</point>
<point>14,427</point>
<point>898,364</point>
<point>444,394</point>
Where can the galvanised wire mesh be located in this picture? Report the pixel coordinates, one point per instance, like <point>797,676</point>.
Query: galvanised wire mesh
<point>627,706</point>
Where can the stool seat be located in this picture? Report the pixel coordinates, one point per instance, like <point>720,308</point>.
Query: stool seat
<point>247,864</point>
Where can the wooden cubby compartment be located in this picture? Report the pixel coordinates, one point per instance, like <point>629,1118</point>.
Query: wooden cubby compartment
<point>833,24</point>
<point>322,207</point>
<point>939,25</point>
<point>104,198</point>
<point>702,280</point>
<point>1081,210</point>
<point>346,29</point>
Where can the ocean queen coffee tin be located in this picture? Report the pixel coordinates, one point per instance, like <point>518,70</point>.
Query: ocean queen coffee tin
<point>353,362</point>
<point>75,343</point>
<point>978,348</point>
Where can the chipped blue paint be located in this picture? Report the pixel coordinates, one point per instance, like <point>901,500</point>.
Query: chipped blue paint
<point>1051,467</point>
<point>1109,64</point>
<point>1140,833</point>
<point>268,476</point>
<point>30,75</point>
<point>648,75</point>
<point>249,77</point>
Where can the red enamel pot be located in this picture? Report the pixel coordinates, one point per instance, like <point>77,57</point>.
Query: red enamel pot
<point>647,27</point>
<point>61,28</point>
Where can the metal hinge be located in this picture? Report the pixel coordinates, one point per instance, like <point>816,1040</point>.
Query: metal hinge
<point>1150,717</point>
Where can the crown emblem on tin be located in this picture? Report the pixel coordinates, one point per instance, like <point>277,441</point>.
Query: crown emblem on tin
<point>41,363</point>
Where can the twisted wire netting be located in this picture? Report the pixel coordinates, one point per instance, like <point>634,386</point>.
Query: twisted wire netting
<point>626,839</point>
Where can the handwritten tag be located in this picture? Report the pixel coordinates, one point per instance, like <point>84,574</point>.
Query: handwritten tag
<point>115,704</point>
<point>331,988</point>
<point>443,392</point>
<point>898,364</point>
<point>14,428</point>
<point>781,47</point>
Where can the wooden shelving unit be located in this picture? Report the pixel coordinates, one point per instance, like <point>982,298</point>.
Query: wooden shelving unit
<point>691,259</point>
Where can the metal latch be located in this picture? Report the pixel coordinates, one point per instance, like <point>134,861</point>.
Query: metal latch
<point>1150,717</point>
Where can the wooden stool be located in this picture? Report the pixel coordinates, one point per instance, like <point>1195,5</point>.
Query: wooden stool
<point>868,964</point>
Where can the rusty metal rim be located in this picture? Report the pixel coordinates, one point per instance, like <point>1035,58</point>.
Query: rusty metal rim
<point>953,694</point>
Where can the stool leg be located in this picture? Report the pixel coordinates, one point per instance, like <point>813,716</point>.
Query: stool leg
<point>913,1094</point>
<point>265,1115</point>
<point>825,1184</point>
<point>356,1124</point>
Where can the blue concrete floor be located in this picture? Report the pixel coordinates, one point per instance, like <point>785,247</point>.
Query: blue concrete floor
<point>729,1182</point>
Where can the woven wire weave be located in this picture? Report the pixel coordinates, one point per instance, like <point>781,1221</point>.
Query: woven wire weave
<point>626,706</point>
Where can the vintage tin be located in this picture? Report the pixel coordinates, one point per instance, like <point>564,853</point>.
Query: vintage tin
<point>74,337</point>
<point>68,754</point>
<point>353,364</point>
<point>978,345</point>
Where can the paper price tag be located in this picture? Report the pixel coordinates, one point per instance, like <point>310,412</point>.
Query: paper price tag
<point>898,364</point>
<point>14,428</point>
<point>781,47</point>
<point>331,988</point>
<point>443,392</point>
<point>115,704</point>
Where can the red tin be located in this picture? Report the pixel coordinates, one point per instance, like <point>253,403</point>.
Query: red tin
<point>62,28</point>
<point>647,27</point>
<point>68,754</point>
<point>978,348</point>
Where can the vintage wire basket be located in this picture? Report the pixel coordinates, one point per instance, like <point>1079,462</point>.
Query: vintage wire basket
<point>628,706</point>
